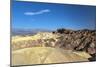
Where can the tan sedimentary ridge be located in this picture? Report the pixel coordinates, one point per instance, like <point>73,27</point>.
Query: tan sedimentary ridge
<point>74,40</point>
<point>78,45</point>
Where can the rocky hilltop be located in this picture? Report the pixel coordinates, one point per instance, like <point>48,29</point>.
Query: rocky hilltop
<point>80,40</point>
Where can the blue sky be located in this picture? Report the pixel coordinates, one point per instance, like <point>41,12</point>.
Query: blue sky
<point>35,15</point>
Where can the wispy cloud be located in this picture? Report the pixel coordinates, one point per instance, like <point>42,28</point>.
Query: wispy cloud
<point>37,13</point>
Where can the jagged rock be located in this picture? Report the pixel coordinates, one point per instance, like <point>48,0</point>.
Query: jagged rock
<point>81,40</point>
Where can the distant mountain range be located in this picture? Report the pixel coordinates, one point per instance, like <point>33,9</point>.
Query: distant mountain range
<point>23,32</point>
<point>27,31</point>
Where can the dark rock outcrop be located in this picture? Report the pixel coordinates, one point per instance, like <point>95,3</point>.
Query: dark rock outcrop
<point>80,40</point>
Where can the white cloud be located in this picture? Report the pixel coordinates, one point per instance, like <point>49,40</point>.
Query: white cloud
<point>37,13</point>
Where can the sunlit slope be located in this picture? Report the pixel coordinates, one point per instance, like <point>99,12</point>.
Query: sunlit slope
<point>40,35</point>
<point>23,42</point>
<point>21,38</point>
<point>45,55</point>
<point>19,42</point>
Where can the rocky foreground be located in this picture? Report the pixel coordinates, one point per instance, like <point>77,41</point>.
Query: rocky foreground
<point>80,40</point>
